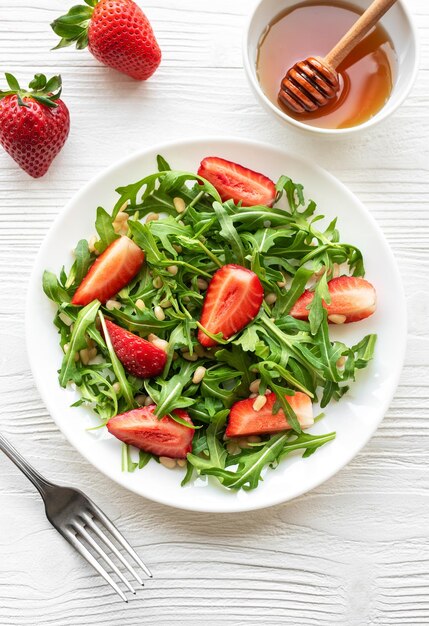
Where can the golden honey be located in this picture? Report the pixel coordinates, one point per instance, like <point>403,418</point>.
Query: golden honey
<point>312,29</point>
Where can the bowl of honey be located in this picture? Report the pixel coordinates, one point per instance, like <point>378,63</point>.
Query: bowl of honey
<point>375,77</point>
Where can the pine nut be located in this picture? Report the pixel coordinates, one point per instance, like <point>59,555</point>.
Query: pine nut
<point>173,269</point>
<point>161,344</point>
<point>84,356</point>
<point>202,284</point>
<point>190,357</point>
<point>113,304</point>
<point>152,337</point>
<point>159,313</point>
<point>199,374</point>
<point>90,343</point>
<point>91,244</point>
<point>152,217</point>
<point>243,443</point>
<point>254,439</point>
<point>92,353</point>
<point>167,462</point>
<point>121,217</point>
<point>253,395</point>
<point>337,319</point>
<point>165,304</point>
<point>254,387</point>
<point>157,282</point>
<point>179,204</point>
<point>116,387</point>
<point>259,403</point>
<point>233,448</point>
<point>281,283</point>
<point>341,361</point>
<point>182,462</point>
<point>199,350</point>
<point>140,399</point>
<point>178,248</point>
<point>65,318</point>
<point>270,298</point>
<point>140,304</point>
<point>148,401</point>
<point>66,347</point>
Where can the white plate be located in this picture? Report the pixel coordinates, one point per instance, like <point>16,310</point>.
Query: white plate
<point>355,417</point>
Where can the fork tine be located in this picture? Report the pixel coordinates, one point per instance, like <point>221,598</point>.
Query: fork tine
<point>94,545</point>
<point>98,513</point>
<point>71,538</point>
<point>90,522</point>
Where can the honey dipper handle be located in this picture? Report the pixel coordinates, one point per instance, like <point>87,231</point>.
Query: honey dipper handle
<point>357,32</point>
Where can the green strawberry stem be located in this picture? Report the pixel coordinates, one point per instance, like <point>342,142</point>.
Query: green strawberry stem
<point>73,27</point>
<point>40,89</point>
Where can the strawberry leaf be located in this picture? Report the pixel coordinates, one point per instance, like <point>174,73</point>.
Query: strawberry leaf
<point>12,82</point>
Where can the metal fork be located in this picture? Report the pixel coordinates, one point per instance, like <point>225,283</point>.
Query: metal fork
<point>78,519</point>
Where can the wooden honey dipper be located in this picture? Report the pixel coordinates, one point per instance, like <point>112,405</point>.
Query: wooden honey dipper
<point>310,84</point>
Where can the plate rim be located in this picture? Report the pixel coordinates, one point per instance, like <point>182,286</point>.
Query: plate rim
<point>235,506</point>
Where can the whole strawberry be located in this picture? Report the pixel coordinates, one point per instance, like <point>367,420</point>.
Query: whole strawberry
<point>34,122</point>
<point>117,33</point>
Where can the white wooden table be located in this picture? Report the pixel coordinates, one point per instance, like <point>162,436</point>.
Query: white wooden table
<point>353,552</point>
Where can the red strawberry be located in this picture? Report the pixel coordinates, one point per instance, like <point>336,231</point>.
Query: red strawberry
<point>233,299</point>
<point>238,183</point>
<point>244,420</point>
<point>114,269</point>
<point>34,123</point>
<point>140,357</point>
<point>143,429</point>
<point>117,33</point>
<point>352,299</point>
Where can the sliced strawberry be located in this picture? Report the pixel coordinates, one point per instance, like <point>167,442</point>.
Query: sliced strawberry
<point>352,299</point>
<point>233,299</point>
<point>114,269</point>
<point>143,429</point>
<point>139,357</point>
<point>244,420</point>
<point>238,183</point>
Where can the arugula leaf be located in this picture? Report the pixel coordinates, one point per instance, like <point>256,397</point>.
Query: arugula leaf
<point>229,233</point>
<point>82,262</point>
<point>69,369</point>
<point>117,366</point>
<point>169,396</point>
<point>317,311</point>
<point>286,301</point>
<point>216,452</point>
<point>144,238</point>
<point>250,465</point>
<point>105,230</point>
<point>162,164</point>
<point>53,289</point>
<point>238,359</point>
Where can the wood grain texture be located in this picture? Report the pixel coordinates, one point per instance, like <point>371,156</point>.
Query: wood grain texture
<point>353,552</point>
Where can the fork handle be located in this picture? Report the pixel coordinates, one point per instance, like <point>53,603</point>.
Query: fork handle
<point>37,479</point>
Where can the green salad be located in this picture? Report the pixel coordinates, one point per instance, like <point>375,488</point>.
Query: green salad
<point>187,233</point>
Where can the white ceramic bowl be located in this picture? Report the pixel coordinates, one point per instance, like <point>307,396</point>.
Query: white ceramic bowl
<point>398,24</point>
<point>355,417</point>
